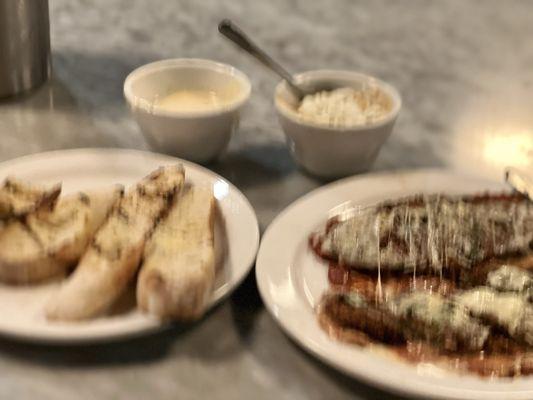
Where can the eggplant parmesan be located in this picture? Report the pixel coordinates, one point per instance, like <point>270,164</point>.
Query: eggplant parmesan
<point>435,278</point>
<point>433,233</point>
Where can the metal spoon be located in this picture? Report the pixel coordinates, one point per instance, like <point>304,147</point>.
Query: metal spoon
<point>232,32</point>
<point>519,181</point>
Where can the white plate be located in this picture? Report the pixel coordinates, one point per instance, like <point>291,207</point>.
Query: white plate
<point>21,308</point>
<point>291,281</point>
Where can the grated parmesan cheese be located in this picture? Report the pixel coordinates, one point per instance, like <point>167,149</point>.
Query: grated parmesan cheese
<point>344,107</point>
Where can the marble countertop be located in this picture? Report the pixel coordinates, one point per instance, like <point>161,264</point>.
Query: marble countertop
<point>463,69</point>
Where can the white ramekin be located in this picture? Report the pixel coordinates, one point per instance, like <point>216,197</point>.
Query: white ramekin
<point>333,152</point>
<point>199,136</point>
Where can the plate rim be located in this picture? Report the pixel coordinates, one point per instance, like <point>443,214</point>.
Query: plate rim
<point>153,326</point>
<point>308,345</point>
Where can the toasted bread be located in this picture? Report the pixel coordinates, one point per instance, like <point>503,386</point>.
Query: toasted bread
<point>50,241</point>
<point>18,199</point>
<point>177,275</point>
<point>113,257</point>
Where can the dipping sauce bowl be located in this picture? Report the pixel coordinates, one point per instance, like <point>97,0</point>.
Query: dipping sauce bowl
<point>187,107</point>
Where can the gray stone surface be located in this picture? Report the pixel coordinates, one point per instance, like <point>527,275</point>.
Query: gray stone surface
<point>464,71</point>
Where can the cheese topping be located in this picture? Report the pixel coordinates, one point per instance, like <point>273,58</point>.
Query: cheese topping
<point>355,299</point>
<point>345,107</point>
<point>508,310</point>
<point>431,234</point>
<point>510,278</point>
<point>440,313</point>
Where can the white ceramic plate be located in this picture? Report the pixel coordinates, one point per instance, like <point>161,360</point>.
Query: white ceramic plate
<point>291,281</point>
<point>21,308</point>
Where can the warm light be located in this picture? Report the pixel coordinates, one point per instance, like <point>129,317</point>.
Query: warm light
<point>494,132</point>
<point>508,148</point>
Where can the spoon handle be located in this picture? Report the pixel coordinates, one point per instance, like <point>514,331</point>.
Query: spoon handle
<point>232,32</point>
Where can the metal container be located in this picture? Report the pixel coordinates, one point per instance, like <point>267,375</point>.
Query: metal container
<point>25,60</point>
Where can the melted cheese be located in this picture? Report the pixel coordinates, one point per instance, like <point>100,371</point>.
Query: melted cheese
<point>441,314</point>
<point>432,234</point>
<point>355,299</point>
<point>509,310</point>
<point>510,278</point>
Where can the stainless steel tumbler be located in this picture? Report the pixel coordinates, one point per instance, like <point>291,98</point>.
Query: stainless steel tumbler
<point>25,60</point>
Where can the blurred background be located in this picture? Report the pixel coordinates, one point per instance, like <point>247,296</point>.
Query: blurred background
<point>463,70</point>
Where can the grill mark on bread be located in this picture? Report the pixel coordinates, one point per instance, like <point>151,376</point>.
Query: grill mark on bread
<point>18,199</point>
<point>113,258</point>
<point>46,243</point>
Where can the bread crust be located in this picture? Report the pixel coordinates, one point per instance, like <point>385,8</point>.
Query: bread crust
<point>18,199</point>
<point>48,242</point>
<point>113,257</point>
<point>176,278</point>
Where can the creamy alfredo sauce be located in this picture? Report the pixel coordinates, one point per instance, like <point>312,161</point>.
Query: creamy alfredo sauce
<point>194,100</point>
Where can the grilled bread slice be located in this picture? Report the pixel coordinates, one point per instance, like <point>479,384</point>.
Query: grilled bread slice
<point>177,275</point>
<point>50,241</point>
<point>18,199</point>
<point>113,257</point>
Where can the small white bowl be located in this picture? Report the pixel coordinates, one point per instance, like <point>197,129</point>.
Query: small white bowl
<point>199,136</point>
<point>333,152</point>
